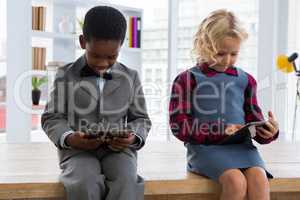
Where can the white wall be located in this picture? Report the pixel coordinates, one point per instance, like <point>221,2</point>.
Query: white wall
<point>18,123</point>
<point>2,38</point>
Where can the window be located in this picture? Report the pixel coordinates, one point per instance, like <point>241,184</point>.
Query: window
<point>155,47</point>
<point>192,12</point>
<point>154,61</point>
<point>293,46</point>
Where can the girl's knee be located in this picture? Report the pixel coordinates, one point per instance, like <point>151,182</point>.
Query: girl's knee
<point>257,178</point>
<point>234,182</point>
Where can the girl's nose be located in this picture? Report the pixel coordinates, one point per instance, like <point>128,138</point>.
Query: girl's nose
<point>227,59</point>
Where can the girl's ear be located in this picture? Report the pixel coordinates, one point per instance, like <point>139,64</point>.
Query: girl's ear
<point>82,41</point>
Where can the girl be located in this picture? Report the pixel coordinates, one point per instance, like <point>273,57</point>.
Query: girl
<point>213,98</point>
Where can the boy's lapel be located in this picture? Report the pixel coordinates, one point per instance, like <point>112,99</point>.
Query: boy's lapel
<point>88,84</point>
<point>90,87</point>
<point>110,86</point>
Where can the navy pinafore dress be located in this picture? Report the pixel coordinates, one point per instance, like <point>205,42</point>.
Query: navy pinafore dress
<point>212,160</point>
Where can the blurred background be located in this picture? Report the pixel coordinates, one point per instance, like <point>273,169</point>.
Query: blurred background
<point>166,36</point>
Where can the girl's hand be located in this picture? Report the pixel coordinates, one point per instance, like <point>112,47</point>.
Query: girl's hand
<point>232,128</point>
<point>270,129</point>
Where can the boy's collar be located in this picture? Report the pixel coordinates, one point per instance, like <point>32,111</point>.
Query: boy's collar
<point>208,71</point>
<point>86,70</point>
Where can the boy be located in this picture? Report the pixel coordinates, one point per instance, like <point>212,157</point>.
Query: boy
<point>98,93</point>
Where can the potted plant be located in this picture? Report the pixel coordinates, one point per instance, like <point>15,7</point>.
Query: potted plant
<point>80,22</point>
<point>36,92</point>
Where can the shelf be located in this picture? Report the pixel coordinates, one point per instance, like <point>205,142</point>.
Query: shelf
<point>42,34</point>
<point>78,3</point>
<point>39,72</point>
<point>123,48</point>
<point>84,3</point>
<point>38,107</point>
<point>91,3</point>
<point>128,49</point>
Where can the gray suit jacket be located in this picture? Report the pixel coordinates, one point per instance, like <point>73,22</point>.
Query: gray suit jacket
<point>76,102</point>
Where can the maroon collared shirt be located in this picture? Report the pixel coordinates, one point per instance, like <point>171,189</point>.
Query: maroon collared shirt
<point>182,121</point>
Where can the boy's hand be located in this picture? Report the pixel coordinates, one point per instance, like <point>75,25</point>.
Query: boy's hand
<point>120,143</point>
<point>83,141</point>
<point>270,128</point>
<point>232,128</point>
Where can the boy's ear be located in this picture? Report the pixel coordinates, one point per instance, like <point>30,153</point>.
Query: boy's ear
<point>82,41</point>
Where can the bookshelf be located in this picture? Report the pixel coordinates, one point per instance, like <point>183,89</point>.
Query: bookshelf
<point>49,35</point>
<point>64,46</point>
<point>60,46</point>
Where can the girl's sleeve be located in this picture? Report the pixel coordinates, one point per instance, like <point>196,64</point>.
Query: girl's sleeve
<point>182,123</point>
<point>252,110</point>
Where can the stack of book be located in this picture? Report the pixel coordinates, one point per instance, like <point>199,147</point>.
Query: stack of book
<point>38,18</point>
<point>134,32</point>
<point>38,58</point>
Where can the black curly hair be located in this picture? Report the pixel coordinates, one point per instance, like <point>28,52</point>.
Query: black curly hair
<point>104,23</point>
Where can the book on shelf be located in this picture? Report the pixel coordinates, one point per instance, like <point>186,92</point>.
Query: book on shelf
<point>34,18</point>
<point>134,32</point>
<point>38,18</point>
<point>133,35</point>
<point>38,58</point>
<point>139,26</point>
<point>128,37</point>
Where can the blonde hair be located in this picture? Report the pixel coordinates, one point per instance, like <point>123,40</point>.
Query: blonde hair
<point>211,32</point>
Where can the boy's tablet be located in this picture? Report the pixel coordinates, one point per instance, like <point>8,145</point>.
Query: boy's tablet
<point>124,133</point>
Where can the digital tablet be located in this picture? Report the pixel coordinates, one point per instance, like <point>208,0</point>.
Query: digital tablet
<point>124,133</point>
<point>247,132</point>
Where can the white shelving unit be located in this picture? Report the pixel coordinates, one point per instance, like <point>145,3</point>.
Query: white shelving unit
<point>61,47</point>
<point>64,46</point>
<point>49,35</point>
